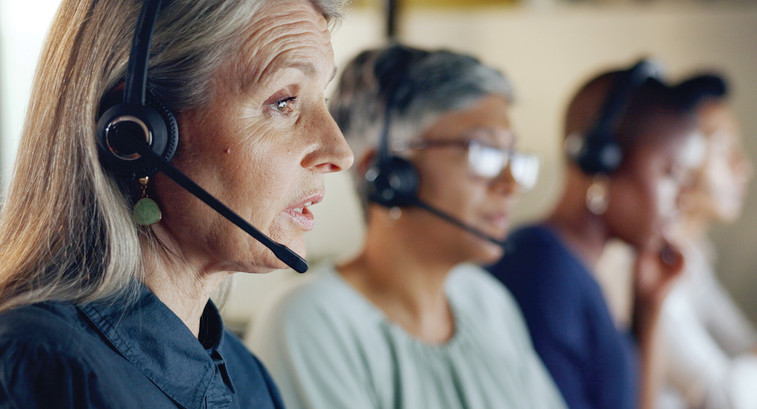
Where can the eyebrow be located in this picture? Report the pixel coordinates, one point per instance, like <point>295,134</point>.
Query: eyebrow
<point>309,69</point>
<point>492,133</point>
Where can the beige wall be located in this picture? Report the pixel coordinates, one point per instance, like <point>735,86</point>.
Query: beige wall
<point>23,25</point>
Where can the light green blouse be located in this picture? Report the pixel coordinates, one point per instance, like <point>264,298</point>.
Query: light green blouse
<point>328,347</point>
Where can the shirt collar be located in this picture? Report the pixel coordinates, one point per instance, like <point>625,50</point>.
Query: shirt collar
<point>150,336</point>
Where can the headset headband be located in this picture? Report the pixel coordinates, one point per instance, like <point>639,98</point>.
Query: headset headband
<point>136,71</point>
<point>621,95</point>
<point>598,151</point>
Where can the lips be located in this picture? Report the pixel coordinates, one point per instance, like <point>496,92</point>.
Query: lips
<point>299,212</point>
<point>500,221</point>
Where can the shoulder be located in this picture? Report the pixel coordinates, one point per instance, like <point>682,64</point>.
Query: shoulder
<point>40,347</point>
<point>56,326</point>
<point>320,325</point>
<point>317,306</point>
<point>234,351</point>
<point>320,295</point>
<point>484,302</point>
<point>537,264</point>
<point>246,369</point>
<point>552,286</point>
<point>474,288</point>
<point>532,251</point>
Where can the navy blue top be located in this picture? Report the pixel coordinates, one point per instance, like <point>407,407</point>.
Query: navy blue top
<point>593,364</point>
<point>59,355</point>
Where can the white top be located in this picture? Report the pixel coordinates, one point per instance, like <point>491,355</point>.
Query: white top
<point>328,347</point>
<point>708,342</point>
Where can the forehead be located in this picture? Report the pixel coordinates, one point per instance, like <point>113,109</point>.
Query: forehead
<point>485,119</point>
<point>656,130</point>
<point>683,146</point>
<point>716,116</point>
<point>285,34</point>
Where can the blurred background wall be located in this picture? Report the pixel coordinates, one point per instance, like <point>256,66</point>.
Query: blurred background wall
<point>548,48</point>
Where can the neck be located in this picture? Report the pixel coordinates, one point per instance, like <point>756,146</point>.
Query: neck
<point>184,289</point>
<point>403,279</point>
<point>582,231</point>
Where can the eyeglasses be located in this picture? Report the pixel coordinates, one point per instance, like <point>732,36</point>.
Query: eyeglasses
<point>487,161</point>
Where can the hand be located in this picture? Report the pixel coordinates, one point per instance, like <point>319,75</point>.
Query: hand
<point>655,270</point>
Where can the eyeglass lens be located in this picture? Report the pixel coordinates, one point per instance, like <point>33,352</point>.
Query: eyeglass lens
<point>489,162</point>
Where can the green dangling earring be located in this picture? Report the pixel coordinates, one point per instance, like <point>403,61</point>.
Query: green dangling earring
<point>146,212</point>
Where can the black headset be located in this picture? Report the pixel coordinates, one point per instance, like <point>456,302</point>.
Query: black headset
<point>138,135</point>
<point>598,152</point>
<point>139,114</point>
<point>393,181</point>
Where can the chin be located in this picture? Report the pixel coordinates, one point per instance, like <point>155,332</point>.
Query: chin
<point>256,258</point>
<point>296,243</point>
<point>488,253</point>
<point>727,218</point>
<point>289,236</point>
<point>299,248</point>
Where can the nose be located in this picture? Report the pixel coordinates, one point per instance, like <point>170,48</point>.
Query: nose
<point>330,152</point>
<point>505,184</point>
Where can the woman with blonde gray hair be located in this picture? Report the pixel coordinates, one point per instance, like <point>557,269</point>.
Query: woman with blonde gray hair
<point>108,265</point>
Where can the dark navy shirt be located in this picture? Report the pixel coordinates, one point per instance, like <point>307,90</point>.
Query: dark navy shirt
<point>59,355</point>
<point>593,363</point>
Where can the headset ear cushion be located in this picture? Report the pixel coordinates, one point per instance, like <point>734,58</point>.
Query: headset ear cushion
<point>393,183</point>
<point>153,122</point>
<point>599,154</point>
<point>172,128</point>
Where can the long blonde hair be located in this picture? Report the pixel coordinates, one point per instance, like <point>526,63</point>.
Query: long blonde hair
<point>66,231</point>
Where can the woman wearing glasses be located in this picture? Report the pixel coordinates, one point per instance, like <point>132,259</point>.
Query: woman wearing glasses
<point>412,322</point>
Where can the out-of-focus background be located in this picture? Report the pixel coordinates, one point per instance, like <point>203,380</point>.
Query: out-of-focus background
<point>547,48</point>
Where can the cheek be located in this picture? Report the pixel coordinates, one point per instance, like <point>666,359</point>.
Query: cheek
<point>450,190</point>
<point>720,177</point>
<point>632,209</point>
<point>273,179</point>
<point>253,174</point>
<point>723,188</point>
<point>654,197</point>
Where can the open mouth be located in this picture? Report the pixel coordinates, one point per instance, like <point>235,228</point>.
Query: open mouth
<point>302,216</point>
<point>303,208</point>
<point>300,213</point>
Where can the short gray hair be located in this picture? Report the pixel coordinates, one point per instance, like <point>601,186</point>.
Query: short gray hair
<point>417,86</point>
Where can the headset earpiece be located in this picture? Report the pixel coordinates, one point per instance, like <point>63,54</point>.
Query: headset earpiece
<point>152,122</point>
<point>392,183</point>
<point>597,154</point>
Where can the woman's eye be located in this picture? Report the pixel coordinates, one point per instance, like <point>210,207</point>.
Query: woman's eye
<point>285,105</point>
